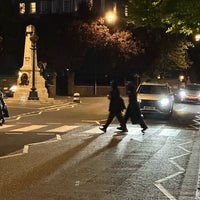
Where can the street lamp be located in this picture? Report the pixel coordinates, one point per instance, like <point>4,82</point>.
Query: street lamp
<point>197,37</point>
<point>33,95</point>
<point>111,17</point>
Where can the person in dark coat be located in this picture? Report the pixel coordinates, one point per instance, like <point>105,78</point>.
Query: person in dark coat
<point>2,104</point>
<point>133,109</point>
<point>116,107</point>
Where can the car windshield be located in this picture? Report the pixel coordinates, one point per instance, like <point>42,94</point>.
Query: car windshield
<point>153,89</point>
<point>192,87</point>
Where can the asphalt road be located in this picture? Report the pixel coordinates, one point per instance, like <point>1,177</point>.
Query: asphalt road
<point>56,151</point>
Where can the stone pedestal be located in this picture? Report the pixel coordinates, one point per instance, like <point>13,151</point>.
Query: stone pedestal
<point>25,81</point>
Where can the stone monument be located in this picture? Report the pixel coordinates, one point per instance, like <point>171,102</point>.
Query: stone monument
<point>29,77</point>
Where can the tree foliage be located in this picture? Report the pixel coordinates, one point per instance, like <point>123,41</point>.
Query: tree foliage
<point>174,16</point>
<point>173,57</point>
<point>96,34</point>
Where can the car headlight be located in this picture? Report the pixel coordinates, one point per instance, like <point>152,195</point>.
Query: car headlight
<point>5,88</point>
<point>164,102</point>
<point>13,88</point>
<point>182,93</point>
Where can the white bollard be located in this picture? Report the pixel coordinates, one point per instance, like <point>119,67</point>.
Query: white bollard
<point>76,97</point>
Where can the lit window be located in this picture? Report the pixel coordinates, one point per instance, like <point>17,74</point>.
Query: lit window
<point>126,11</point>
<point>90,4</point>
<point>33,7</point>
<point>22,8</point>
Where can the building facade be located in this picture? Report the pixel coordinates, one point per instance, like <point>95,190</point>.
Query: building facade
<point>40,7</point>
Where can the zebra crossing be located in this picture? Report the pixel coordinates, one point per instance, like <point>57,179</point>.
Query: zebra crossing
<point>22,128</point>
<point>59,128</point>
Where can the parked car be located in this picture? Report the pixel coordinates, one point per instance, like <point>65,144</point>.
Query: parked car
<point>155,98</point>
<point>190,94</point>
<point>8,91</point>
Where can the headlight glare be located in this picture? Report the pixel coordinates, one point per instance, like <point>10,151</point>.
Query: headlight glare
<point>13,88</point>
<point>182,94</point>
<point>164,102</point>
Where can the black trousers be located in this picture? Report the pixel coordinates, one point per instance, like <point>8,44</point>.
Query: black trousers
<point>134,114</point>
<point>119,118</point>
<point>1,114</point>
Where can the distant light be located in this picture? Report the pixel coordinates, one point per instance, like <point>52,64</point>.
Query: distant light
<point>181,77</point>
<point>111,17</point>
<point>197,37</point>
<point>158,77</point>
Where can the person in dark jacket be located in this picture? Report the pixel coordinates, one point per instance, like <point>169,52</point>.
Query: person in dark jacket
<point>2,104</point>
<point>133,109</point>
<point>116,107</point>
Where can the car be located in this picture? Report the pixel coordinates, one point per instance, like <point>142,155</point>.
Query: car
<point>8,91</point>
<point>189,94</point>
<point>155,98</point>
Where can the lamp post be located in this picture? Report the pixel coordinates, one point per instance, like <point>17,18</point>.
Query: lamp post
<point>33,95</point>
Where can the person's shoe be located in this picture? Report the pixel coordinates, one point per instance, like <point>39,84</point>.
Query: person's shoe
<point>144,129</point>
<point>1,124</point>
<point>119,128</point>
<point>103,129</point>
<point>3,121</point>
<point>124,130</point>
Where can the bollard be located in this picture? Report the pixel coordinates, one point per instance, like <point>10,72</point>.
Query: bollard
<point>76,97</point>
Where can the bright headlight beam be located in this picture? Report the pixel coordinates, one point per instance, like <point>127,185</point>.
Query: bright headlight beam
<point>164,102</point>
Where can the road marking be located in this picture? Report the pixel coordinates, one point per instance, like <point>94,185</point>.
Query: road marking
<point>164,191</point>
<point>6,126</point>
<point>94,130</point>
<point>62,129</point>
<point>28,128</point>
<point>92,121</point>
<point>181,171</point>
<point>197,122</point>
<point>169,132</point>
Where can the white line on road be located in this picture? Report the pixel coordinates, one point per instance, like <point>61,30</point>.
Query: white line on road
<point>29,128</point>
<point>164,191</point>
<point>62,129</point>
<point>6,126</point>
<point>181,171</point>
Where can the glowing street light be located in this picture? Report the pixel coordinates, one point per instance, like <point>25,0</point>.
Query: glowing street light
<point>110,17</point>
<point>197,37</point>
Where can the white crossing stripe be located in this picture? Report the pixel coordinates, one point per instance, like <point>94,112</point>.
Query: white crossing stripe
<point>6,126</point>
<point>29,128</point>
<point>93,130</point>
<point>62,129</point>
<point>170,132</point>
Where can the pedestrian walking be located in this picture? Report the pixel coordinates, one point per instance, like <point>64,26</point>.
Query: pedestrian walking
<point>133,109</point>
<point>2,106</point>
<point>116,106</point>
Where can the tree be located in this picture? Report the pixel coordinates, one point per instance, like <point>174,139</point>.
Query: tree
<point>166,19</point>
<point>107,52</point>
<point>173,16</point>
<point>172,58</point>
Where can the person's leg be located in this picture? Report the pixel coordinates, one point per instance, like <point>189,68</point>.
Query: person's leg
<point>125,118</point>
<point>122,122</point>
<point>109,120</point>
<point>1,117</point>
<point>143,125</point>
